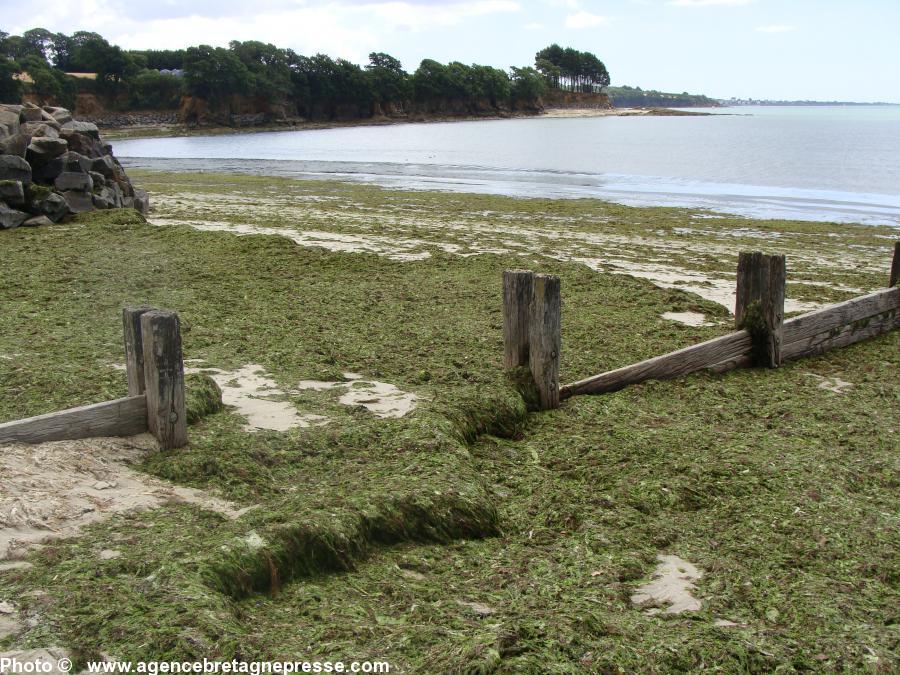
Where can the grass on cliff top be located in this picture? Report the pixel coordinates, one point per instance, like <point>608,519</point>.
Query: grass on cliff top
<point>465,537</point>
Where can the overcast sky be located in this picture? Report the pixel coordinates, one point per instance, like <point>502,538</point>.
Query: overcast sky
<point>791,49</point>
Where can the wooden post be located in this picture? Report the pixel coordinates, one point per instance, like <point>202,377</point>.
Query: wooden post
<point>544,338</point>
<point>164,378</point>
<point>518,286</point>
<point>895,266</point>
<point>134,348</point>
<point>760,304</point>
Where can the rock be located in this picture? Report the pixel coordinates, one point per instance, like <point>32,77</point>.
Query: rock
<point>61,115</point>
<point>86,128</point>
<point>9,123</point>
<point>14,145</point>
<point>69,161</point>
<point>13,167</point>
<point>10,218</point>
<point>47,119</point>
<point>53,206</point>
<point>103,198</point>
<point>72,180</point>
<point>117,194</point>
<point>31,113</point>
<point>82,143</point>
<point>37,221</point>
<point>12,192</point>
<point>41,129</point>
<point>78,201</point>
<point>104,165</point>
<point>98,178</point>
<point>142,201</point>
<point>42,150</point>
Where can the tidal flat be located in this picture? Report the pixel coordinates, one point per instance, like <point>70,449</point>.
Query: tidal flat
<point>467,534</point>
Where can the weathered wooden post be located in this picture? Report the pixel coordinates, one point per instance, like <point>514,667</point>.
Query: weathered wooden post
<point>895,266</point>
<point>760,304</point>
<point>518,286</point>
<point>134,348</point>
<point>164,377</point>
<point>544,338</point>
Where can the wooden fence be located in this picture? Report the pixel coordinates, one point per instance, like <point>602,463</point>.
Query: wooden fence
<point>155,370</point>
<point>531,329</point>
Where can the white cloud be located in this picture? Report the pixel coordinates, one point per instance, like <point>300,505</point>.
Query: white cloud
<point>534,25</point>
<point>585,20</point>
<point>416,17</point>
<point>775,28</point>
<point>708,3</point>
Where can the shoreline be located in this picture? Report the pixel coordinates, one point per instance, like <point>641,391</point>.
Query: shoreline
<point>163,130</point>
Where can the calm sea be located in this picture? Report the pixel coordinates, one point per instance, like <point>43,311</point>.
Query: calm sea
<point>815,163</point>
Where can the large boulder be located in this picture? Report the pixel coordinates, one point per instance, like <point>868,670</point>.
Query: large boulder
<point>14,145</point>
<point>12,192</point>
<point>40,129</point>
<point>68,161</point>
<point>9,123</point>
<point>82,143</point>
<point>104,165</point>
<point>53,206</point>
<point>60,115</point>
<point>78,201</point>
<point>86,128</point>
<point>10,218</point>
<point>32,113</point>
<point>73,180</point>
<point>142,201</point>
<point>42,150</point>
<point>13,167</point>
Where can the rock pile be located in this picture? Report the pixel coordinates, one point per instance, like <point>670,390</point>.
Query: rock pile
<point>52,165</point>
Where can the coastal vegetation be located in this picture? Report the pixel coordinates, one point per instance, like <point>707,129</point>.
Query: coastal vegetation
<point>468,535</point>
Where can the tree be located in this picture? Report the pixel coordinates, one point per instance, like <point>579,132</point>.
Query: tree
<point>10,87</point>
<point>214,73</point>
<point>527,85</point>
<point>387,79</point>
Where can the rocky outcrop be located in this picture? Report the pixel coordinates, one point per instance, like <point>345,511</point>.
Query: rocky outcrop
<point>52,165</point>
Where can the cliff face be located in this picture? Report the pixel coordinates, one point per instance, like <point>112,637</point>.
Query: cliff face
<point>575,99</point>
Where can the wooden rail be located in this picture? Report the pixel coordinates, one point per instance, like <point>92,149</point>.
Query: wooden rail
<point>122,417</point>
<point>763,337</point>
<point>155,402</point>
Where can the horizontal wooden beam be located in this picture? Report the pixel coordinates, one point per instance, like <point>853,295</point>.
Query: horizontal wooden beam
<point>682,362</point>
<point>121,417</point>
<point>841,336</point>
<point>835,317</point>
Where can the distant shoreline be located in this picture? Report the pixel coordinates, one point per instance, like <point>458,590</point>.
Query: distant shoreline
<point>163,130</point>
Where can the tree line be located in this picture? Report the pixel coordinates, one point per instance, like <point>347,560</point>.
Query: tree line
<point>318,85</point>
<point>572,70</point>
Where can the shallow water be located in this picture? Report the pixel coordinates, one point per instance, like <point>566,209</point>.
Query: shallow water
<point>837,164</point>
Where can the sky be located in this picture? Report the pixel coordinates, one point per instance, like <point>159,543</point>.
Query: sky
<point>774,49</point>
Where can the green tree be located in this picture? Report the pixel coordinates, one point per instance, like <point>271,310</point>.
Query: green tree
<point>387,79</point>
<point>214,73</point>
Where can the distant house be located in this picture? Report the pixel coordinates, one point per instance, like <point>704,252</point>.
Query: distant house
<point>83,76</point>
<point>174,72</point>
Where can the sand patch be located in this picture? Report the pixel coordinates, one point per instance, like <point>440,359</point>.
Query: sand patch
<point>687,318</point>
<point>833,384</point>
<point>672,584</point>
<point>51,490</point>
<point>381,398</point>
<point>257,397</point>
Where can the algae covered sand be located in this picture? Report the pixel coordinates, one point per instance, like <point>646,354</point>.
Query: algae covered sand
<point>467,535</point>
